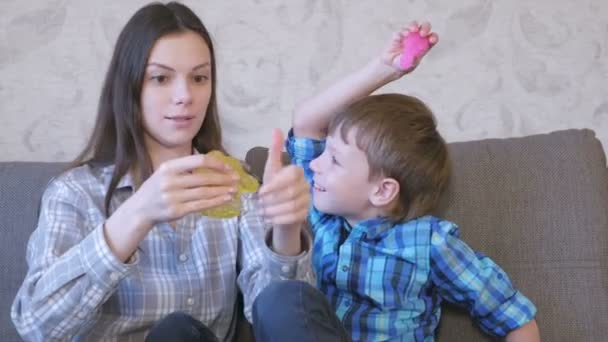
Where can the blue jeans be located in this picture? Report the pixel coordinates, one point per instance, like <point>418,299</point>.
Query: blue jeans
<point>180,327</point>
<point>295,311</point>
<point>288,310</point>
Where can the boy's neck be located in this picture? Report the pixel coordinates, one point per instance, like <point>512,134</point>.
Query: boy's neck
<point>370,213</point>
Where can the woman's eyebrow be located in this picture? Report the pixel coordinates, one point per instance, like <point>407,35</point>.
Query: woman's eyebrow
<point>160,65</point>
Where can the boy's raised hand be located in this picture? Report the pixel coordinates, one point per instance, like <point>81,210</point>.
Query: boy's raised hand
<point>285,193</point>
<point>394,53</point>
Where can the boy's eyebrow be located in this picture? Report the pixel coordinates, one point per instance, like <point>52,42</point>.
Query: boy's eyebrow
<point>160,65</point>
<point>332,149</point>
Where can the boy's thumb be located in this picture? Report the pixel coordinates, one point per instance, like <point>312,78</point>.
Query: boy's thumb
<point>273,163</point>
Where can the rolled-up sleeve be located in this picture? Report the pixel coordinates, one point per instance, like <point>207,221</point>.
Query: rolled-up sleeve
<point>259,264</point>
<point>474,281</point>
<point>302,151</point>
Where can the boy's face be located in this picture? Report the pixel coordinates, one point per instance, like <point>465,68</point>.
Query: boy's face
<point>341,180</point>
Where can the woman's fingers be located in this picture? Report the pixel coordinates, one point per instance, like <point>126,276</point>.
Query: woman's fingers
<point>296,217</point>
<point>195,194</point>
<point>198,179</point>
<point>285,208</point>
<point>202,204</point>
<point>192,163</point>
<point>283,180</point>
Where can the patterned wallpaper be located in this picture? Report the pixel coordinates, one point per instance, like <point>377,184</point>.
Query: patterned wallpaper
<point>502,68</point>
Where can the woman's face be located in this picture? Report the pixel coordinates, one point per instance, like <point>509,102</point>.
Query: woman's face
<point>175,92</point>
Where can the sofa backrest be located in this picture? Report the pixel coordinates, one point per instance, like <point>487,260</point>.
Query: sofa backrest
<point>538,206</point>
<point>21,187</point>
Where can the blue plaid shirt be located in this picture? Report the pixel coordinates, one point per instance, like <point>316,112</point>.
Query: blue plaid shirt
<point>386,281</point>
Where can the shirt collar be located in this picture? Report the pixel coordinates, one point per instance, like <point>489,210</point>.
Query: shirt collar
<point>126,181</point>
<point>372,228</point>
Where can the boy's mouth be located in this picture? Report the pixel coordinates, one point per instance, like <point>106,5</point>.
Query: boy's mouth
<point>317,187</point>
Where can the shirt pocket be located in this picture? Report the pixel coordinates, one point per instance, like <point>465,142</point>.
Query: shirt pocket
<point>388,280</point>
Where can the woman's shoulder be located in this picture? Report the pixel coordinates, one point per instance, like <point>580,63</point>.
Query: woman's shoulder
<point>80,179</point>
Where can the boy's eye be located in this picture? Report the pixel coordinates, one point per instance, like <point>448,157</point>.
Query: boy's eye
<point>334,160</point>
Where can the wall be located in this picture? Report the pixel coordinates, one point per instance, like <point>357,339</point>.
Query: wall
<point>502,68</point>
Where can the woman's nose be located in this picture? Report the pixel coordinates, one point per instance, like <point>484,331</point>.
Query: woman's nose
<point>182,93</point>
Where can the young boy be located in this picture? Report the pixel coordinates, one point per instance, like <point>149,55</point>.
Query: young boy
<point>378,166</point>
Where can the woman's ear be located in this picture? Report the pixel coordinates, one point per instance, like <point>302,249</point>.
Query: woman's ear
<point>385,192</point>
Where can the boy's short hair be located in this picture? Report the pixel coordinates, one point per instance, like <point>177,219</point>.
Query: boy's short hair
<point>399,136</point>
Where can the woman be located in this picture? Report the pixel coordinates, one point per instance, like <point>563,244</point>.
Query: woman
<point>122,250</point>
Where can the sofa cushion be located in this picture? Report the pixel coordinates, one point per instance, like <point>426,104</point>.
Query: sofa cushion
<point>538,206</point>
<point>21,187</point>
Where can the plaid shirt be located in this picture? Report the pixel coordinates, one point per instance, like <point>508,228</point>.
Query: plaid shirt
<point>76,289</point>
<point>386,281</point>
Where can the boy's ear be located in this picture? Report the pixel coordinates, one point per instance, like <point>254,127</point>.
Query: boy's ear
<point>385,192</point>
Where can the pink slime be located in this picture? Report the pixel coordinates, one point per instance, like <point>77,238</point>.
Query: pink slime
<point>414,47</point>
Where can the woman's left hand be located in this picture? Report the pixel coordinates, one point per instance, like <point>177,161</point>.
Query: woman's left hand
<point>285,193</point>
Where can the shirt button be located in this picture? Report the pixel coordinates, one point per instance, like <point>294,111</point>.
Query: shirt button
<point>345,268</point>
<point>81,314</point>
<point>285,269</point>
<point>114,276</point>
<point>183,257</point>
<point>190,301</point>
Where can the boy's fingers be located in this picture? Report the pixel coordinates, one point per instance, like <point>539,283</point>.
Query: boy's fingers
<point>413,27</point>
<point>425,28</point>
<point>397,37</point>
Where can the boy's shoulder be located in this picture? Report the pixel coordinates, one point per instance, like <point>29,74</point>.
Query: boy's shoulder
<point>419,231</point>
<point>430,223</point>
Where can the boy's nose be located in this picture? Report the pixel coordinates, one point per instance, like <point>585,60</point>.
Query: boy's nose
<point>314,164</point>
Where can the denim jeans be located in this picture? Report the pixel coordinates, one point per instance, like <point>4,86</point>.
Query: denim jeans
<point>295,311</point>
<point>180,327</point>
<point>288,310</point>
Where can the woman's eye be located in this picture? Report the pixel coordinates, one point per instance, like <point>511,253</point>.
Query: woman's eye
<point>200,78</point>
<point>159,78</point>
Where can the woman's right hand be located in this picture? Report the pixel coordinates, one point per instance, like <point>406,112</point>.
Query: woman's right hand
<point>179,187</point>
<point>175,189</point>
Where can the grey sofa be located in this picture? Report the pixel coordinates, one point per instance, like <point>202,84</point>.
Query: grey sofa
<point>538,205</point>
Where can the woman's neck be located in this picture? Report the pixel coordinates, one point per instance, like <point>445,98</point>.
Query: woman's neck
<point>163,155</point>
<point>160,154</point>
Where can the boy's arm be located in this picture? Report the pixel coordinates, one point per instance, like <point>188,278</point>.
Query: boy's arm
<point>477,283</point>
<point>311,117</point>
<point>526,333</point>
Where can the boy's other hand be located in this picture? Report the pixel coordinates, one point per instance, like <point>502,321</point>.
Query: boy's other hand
<point>393,52</point>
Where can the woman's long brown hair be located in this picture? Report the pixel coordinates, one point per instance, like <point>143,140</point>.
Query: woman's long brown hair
<point>118,134</point>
